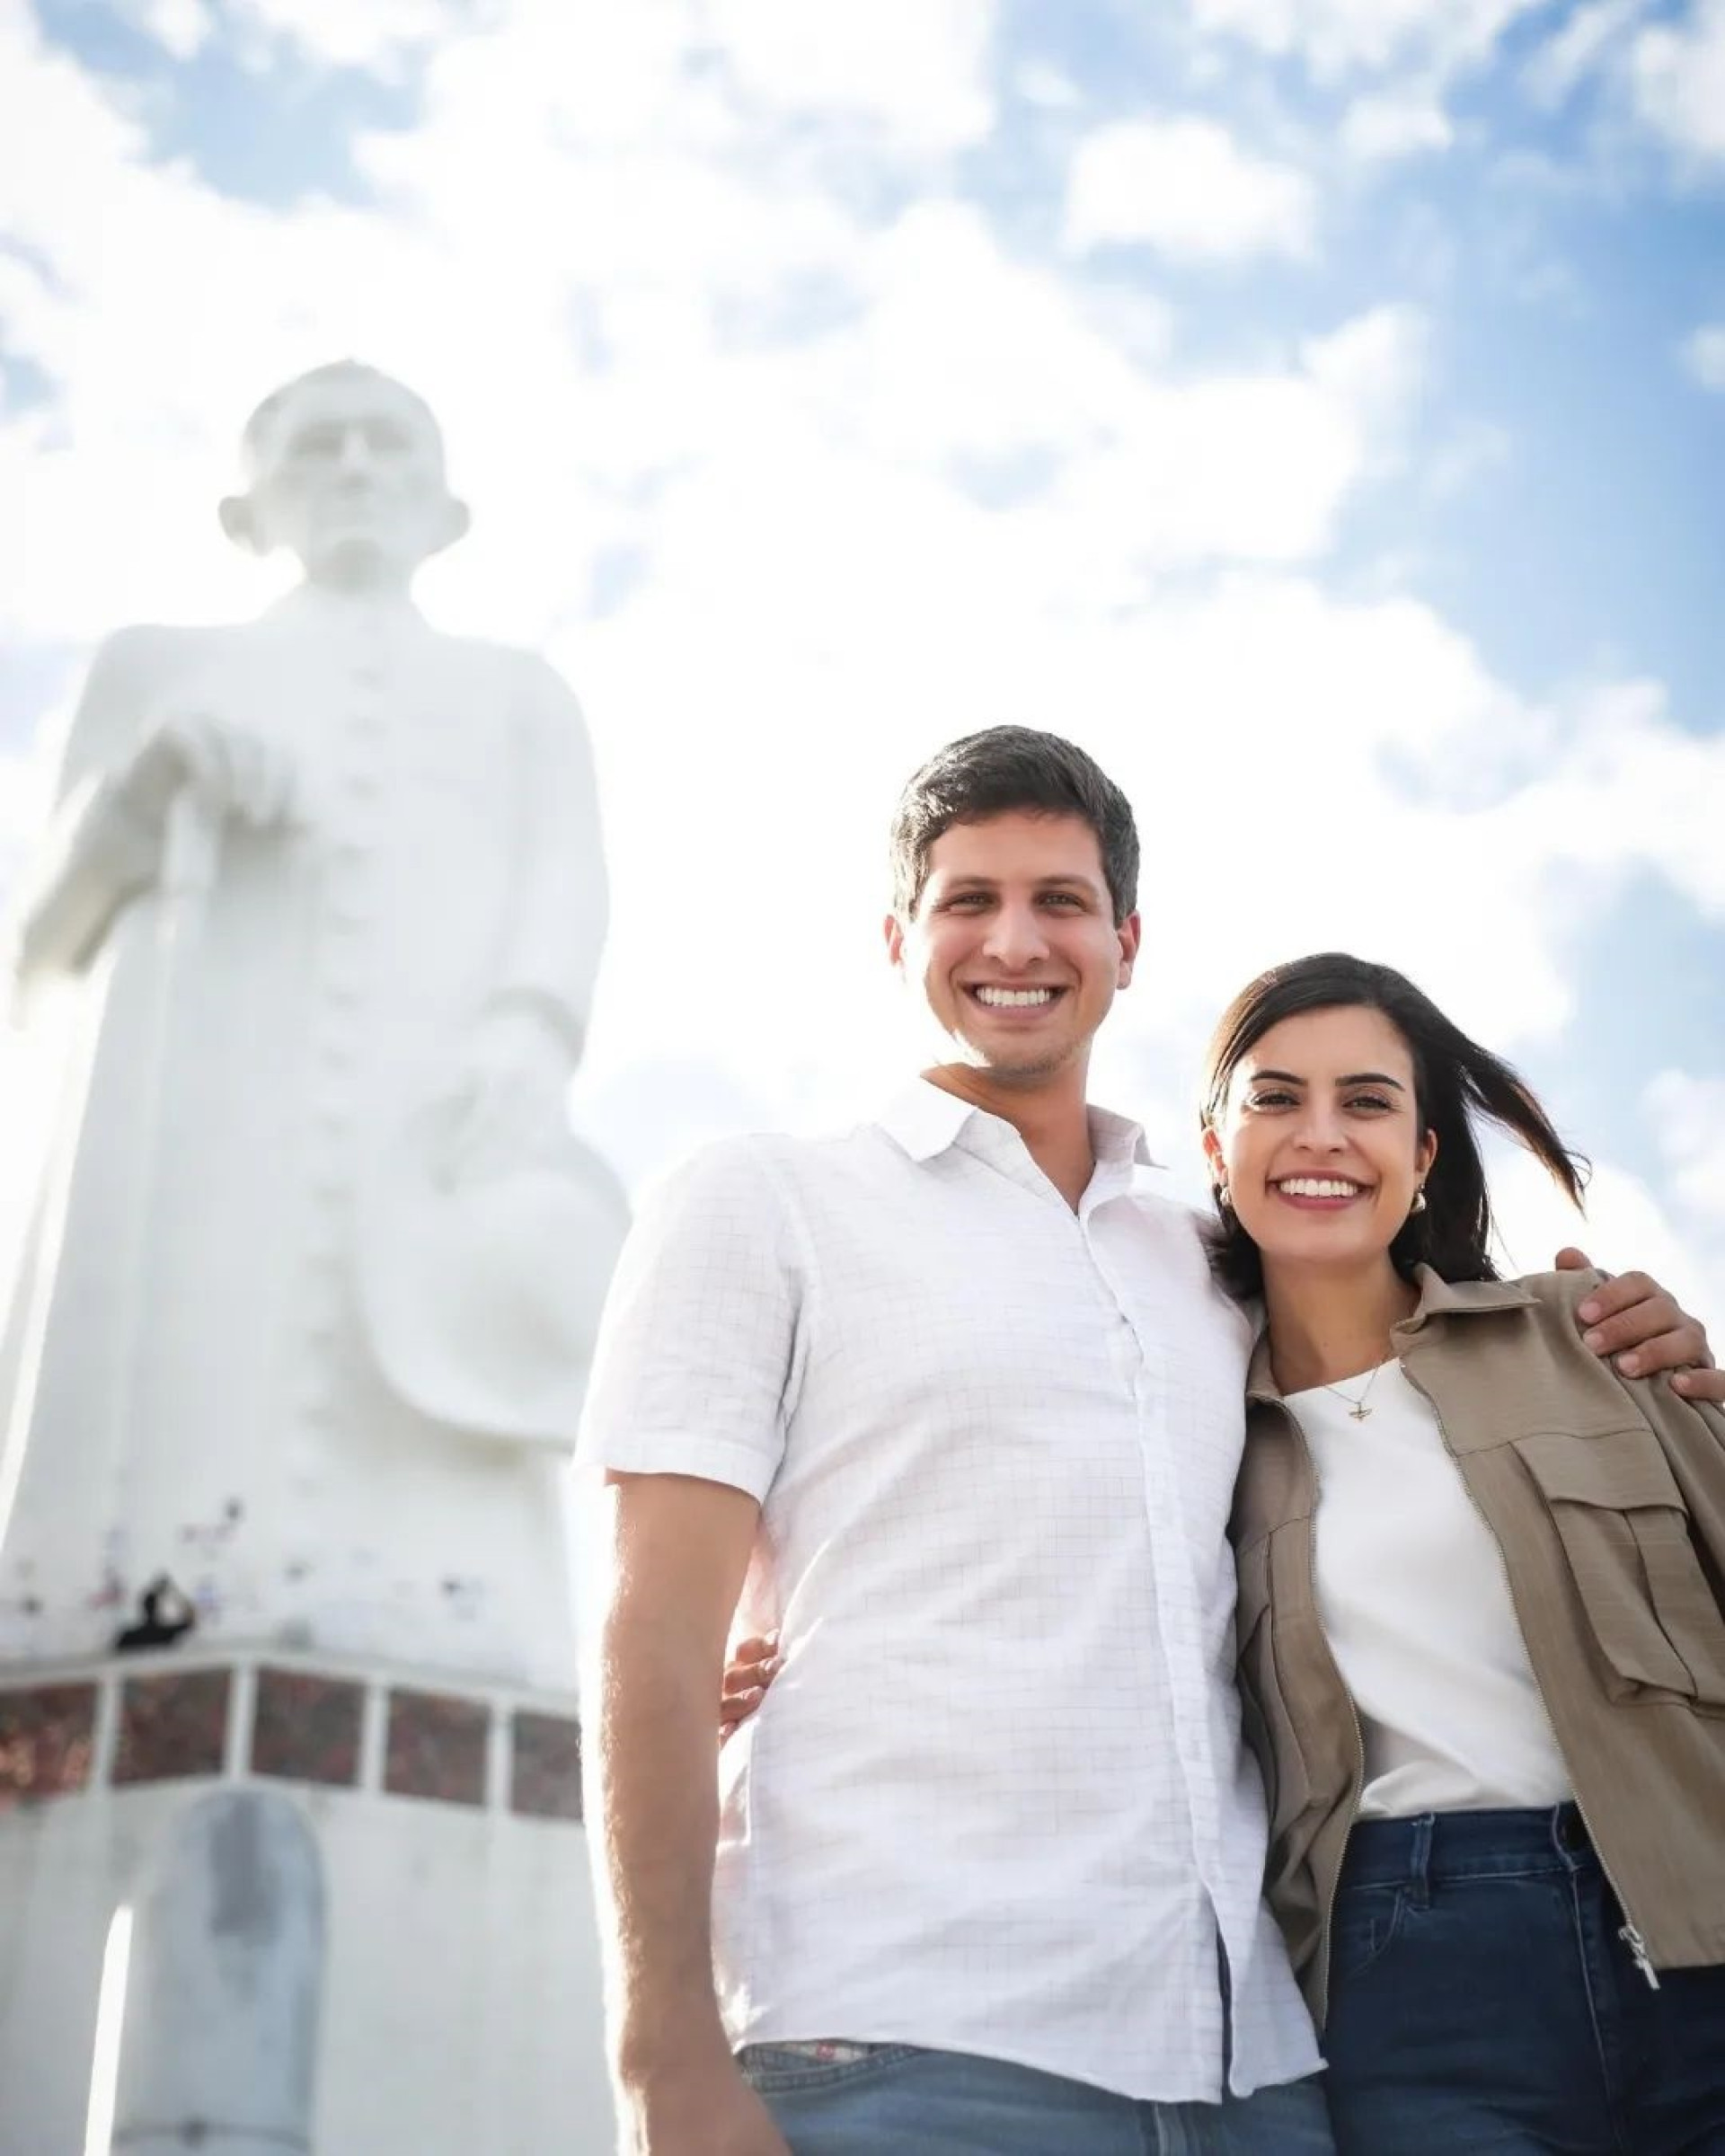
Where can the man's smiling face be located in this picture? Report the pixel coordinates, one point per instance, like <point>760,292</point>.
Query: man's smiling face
<point>1014,943</point>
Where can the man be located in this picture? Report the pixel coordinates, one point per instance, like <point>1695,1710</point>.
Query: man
<point>319,910</point>
<point>978,1400</point>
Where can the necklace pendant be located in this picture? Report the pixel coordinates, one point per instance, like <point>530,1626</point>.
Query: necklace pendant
<point>1360,1412</point>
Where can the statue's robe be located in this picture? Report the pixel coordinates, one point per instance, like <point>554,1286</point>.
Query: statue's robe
<point>190,1383</point>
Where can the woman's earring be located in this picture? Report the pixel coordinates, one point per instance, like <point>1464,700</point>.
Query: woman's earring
<point>1225,1198</point>
<point>1419,1204</point>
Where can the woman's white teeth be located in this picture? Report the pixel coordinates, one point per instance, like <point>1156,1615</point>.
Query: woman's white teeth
<point>1317,1185</point>
<point>1013,999</point>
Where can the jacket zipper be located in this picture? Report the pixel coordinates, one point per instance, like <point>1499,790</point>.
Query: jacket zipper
<point>1628,1930</point>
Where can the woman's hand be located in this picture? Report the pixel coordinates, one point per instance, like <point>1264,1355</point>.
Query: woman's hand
<point>753,1665</point>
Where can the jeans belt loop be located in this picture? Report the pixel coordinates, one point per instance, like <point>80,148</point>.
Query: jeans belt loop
<point>1420,1861</point>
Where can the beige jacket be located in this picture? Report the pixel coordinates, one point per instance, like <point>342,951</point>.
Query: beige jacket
<point>1606,1498</point>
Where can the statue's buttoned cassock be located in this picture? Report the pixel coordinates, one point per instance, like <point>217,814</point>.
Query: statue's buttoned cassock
<point>250,1088</point>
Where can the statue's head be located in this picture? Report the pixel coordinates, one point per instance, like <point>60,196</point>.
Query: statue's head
<point>344,467</point>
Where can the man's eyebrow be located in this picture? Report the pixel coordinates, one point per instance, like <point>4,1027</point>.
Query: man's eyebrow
<point>978,880</point>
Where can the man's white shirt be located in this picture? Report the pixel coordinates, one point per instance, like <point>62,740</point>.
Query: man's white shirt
<point>996,1801</point>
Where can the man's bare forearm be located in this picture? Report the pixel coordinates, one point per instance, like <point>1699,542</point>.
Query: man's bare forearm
<point>658,1818</point>
<point>677,1550</point>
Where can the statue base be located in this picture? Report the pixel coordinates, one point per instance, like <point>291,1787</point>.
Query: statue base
<point>460,1989</point>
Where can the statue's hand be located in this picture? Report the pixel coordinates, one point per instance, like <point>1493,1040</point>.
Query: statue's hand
<point>231,771</point>
<point>506,1113</point>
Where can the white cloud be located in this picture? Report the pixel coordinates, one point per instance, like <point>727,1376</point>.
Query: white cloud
<point>1185,188</point>
<point>1588,40</point>
<point>1405,123</point>
<point>1374,363</point>
<point>1628,792</point>
<point>1038,83</point>
<point>1338,37</point>
<point>915,72</point>
<point>919,68</point>
<point>880,474</point>
<point>1678,74</point>
<point>589,257</point>
<point>1688,1116</point>
<point>1456,461</point>
<point>1703,353</point>
<point>375,35</point>
<point>183,28</point>
<point>1626,1225</point>
<point>583,254</point>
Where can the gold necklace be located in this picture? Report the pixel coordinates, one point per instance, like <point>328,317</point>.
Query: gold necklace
<point>1357,1408</point>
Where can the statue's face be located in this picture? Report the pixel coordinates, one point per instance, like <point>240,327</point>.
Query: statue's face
<point>349,477</point>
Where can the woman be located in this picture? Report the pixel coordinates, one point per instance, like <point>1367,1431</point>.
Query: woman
<point>1485,1674</point>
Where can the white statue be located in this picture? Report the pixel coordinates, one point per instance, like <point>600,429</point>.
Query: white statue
<point>302,1315</point>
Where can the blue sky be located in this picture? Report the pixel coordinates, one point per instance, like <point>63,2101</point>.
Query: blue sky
<point>1317,407</point>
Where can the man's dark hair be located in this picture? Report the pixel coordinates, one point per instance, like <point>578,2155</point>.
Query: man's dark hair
<point>1455,1081</point>
<point>1004,769</point>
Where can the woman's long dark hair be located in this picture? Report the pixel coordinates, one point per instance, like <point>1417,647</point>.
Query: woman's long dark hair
<point>1455,1081</point>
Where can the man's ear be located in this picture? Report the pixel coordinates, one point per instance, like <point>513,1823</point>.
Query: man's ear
<point>1130,932</point>
<point>239,521</point>
<point>894,930</point>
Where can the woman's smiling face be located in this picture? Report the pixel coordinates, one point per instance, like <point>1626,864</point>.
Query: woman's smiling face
<point>1320,1142</point>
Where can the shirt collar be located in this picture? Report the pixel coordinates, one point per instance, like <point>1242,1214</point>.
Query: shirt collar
<point>1438,1298</point>
<point>925,1119</point>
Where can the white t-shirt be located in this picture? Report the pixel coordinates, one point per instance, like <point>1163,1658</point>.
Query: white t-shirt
<point>1414,1600</point>
<point>997,1801</point>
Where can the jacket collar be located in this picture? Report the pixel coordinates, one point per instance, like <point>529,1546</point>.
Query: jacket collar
<point>1437,1299</point>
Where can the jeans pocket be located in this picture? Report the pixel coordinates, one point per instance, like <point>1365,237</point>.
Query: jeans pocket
<point>1365,1926</point>
<point>820,2062</point>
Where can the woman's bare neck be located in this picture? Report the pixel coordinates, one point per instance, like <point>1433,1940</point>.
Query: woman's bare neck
<point>1327,1323</point>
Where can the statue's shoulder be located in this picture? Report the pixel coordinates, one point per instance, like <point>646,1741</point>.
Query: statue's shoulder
<point>530,682</point>
<point>143,646</point>
<point>531,669</point>
<point>132,665</point>
<point>158,647</point>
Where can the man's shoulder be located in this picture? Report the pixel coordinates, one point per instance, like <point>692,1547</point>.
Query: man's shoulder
<point>1172,1217</point>
<point>1180,1242</point>
<point>776,1159</point>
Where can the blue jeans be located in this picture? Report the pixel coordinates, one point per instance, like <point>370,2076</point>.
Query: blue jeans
<point>1481,2000</point>
<point>894,2099</point>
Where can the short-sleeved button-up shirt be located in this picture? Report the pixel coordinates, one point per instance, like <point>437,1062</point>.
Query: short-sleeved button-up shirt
<point>997,1801</point>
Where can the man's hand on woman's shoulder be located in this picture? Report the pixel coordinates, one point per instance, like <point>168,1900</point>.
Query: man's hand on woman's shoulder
<point>1642,1326</point>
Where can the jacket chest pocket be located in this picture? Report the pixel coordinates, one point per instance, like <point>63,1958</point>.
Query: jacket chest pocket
<point>1626,1534</point>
